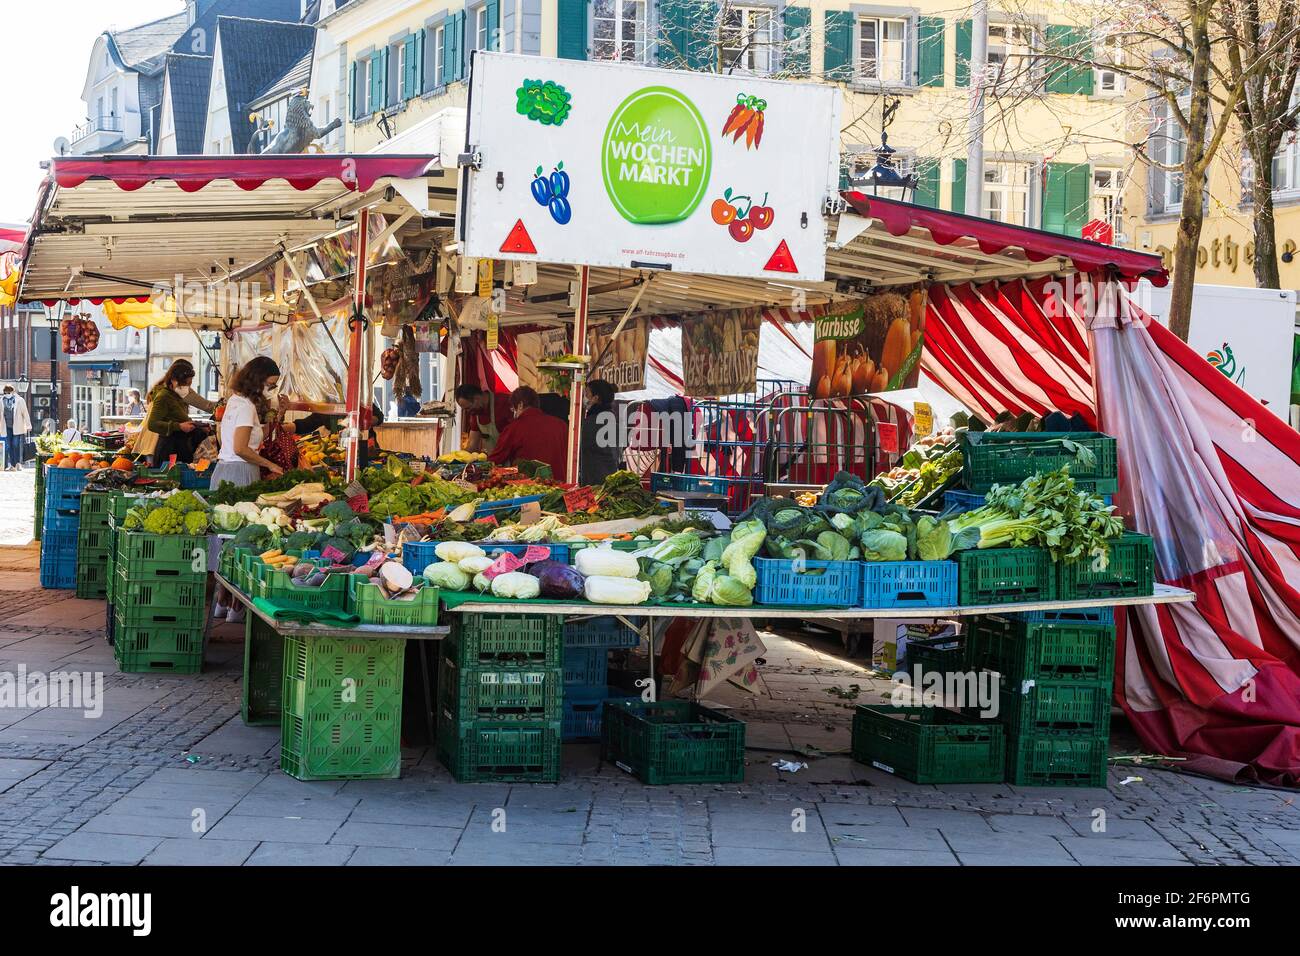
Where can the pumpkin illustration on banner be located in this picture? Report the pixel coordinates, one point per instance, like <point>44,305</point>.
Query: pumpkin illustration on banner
<point>866,345</point>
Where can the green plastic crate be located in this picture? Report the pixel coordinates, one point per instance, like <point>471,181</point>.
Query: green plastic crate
<point>673,741</point>
<point>263,673</point>
<point>1008,458</point>
<point>500,693</point>
<point>341,708</point>
<point>161,617</point>
<point>373,606</point>
<point>331,593</point>
<point>153,592</point>
<point>152,650</point>
<point>1081,707</point>
<point>95,508</point>
<point>492,638</point>
<point>1130,572</point>
<point>93,539</point>
<point>517,751</point>
<point>178,556</point>
<point>1005,576</point>
<point>1057,760</point>
<point>92,575</point>
<point>939,655</point>
<point>1040,650</point>
<point>929,744</point>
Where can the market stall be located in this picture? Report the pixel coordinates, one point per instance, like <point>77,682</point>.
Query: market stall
<point>973,275</point>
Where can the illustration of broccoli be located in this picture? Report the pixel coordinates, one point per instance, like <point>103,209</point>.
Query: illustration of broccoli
<point>545,101</point>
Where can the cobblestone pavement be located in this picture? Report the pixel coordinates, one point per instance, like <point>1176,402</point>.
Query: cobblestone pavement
<point>119,789</point>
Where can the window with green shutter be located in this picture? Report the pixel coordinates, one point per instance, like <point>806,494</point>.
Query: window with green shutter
<point>965,33</point>
<point>837,54</point>
<point>571,29</point>
<point>929,51</point>
<point>458,45</point>
<point>957,198</point>
<point>354,101</point>
<point>1066,198</point>
<point>376,101</point>
<point>411,65</point>
<point>687,28</point>
<point>493,8</point>
<point>927,182</point>
<point>796,22</point>
<point>1065,44</point>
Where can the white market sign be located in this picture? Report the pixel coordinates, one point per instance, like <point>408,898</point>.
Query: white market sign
<point>609,164</point>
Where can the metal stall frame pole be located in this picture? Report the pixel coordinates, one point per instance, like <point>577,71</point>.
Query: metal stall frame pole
<point>355,342</point>
<point>579,377</point>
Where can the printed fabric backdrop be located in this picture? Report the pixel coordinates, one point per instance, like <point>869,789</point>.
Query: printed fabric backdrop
<point>872,344</point>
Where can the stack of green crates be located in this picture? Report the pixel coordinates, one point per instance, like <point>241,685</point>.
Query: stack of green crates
<point>159,601</point>
<point>500,693</point>
<point>38,512</point>
<point>1055,679</point>
<point>93,545</point>
<point>340,707</point>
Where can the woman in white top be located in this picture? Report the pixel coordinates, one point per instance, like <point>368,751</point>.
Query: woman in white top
<point>252,392</point>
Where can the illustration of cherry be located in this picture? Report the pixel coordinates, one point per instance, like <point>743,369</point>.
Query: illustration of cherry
<point>761,216</point>
<point>723,212</point>
<point>741,230</point>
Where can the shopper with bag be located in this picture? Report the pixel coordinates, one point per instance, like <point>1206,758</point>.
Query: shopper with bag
<point>242,457</point>
<point>169,417</point>
<point>15,423</point>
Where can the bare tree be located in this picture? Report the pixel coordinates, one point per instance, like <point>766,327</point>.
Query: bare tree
<point>1263,55</point>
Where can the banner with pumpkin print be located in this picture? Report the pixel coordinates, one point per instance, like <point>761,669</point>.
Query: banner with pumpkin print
<point>872,344</point>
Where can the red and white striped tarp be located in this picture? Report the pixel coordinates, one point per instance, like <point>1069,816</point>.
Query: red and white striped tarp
<point>1208,472</point>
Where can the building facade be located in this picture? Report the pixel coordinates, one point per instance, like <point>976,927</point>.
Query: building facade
<point>1053,143</point>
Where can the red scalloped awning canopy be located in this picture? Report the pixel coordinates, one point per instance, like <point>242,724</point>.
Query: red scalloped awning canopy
<point>192,173</point>
<point>946,228</point>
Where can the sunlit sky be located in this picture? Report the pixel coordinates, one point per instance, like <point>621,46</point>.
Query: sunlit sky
<point>45,52</point>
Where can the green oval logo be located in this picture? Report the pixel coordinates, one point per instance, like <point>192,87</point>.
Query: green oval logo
<point>656,157</point>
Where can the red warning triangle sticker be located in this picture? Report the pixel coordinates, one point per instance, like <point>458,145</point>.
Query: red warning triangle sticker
<point>781,260</point>
<point>520,241</point>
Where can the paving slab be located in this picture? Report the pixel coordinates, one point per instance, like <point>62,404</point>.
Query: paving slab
<point>397,836</point>
<point>205,853</point>
<point>273,829</point>
<point>103,847</point>
<point>300,854</point>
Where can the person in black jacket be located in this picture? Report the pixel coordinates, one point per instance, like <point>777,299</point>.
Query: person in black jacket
<point>602,448</point>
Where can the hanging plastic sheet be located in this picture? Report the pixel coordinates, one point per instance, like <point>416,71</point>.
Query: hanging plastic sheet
<point>1214,478</point>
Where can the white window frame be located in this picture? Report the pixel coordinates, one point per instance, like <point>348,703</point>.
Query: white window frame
<point>366,72</point>
<point>1108,82</point>
<point>1107,203</point>
<point>1020,76</point>
<point>439,66</point>
<point>1287,159</point>
<point>402,92</point>
<point>1008,189</point>
<point>1167,146</point>
<point>481,37</point>
<point>753,53</point>
<point>614,48</point>
<point>905,77</point>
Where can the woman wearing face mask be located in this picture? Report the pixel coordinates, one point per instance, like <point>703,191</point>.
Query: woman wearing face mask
<point>602,451</point>
<point>251,395</point>
<point>170,401</point>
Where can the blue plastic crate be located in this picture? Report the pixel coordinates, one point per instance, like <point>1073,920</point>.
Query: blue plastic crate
<point>585,667</point>
<point>603,632</point>
<point>806,583</point>
<point>505,504</point>
<point>59,559</point>
<point>738,490</point>
<point>1080,615</point>
<point>908,584</point>
<point>418,555</point>
<point>583,707</point>
<point>62,514</point>
<point>195,480</point>
<point>64,482</point>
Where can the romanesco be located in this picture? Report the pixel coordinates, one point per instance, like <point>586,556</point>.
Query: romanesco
<point>184,502</point>
<point>134,519</point>
<point>164,521</point>
<point>196,522</point>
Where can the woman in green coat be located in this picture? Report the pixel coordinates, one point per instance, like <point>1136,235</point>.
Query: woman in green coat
<point>170,401</point>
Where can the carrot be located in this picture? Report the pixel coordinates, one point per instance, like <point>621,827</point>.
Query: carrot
<point>758,133</point>
<point>597,535</point>
<point>735,115</point>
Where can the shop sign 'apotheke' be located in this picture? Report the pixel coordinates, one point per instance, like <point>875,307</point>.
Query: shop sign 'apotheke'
<point>618,165</point>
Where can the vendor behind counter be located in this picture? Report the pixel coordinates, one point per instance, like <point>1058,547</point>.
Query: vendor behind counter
<point>314,420</point>
<point>532,435</point>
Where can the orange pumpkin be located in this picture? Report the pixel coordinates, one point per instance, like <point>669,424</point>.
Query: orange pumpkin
<point>56,458</point>
<point>122,464</point>
<point>898,344</point>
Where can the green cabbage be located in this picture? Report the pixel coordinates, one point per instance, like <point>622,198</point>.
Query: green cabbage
<point>678,547</point>
<point>714,547</point>
<point>703,586</point>
<point>447,576</point>
<point>658,575</point>
<point>884,545</point>
<point>727,590</point>
<point>746,538</point>
<point>933,539</point>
